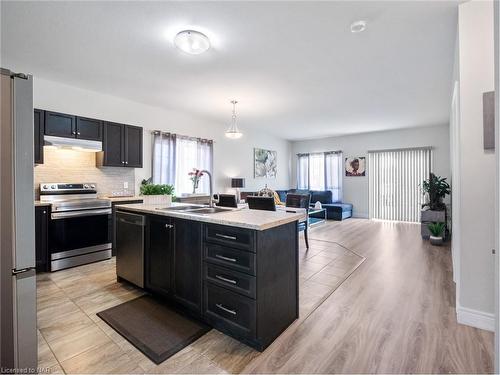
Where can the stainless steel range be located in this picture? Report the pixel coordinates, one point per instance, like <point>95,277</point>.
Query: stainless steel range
<point>80,224</point>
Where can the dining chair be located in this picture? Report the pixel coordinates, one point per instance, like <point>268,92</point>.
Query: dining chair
<point>261,203</point>
<point>301,201</point>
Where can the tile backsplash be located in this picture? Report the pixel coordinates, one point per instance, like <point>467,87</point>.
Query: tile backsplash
<point>61,165</point>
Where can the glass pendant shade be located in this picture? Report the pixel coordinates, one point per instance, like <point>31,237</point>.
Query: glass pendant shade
<point>233,132</point>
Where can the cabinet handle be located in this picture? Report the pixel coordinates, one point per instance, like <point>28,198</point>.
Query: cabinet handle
<point>74,133</point>
<point>78,133</point>
<point>44,212</point>
<point>126,162</point>
<point>225,258</point>
<point>231,281</point>
<point>226,236</point>
<point>169,226</point>
<point>225,309</point>
<point>123,162</point>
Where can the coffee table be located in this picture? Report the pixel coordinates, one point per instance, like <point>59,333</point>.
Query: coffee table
<point>316,216</point>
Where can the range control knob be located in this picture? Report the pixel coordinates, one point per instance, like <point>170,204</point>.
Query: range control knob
<point>92,186</point>
<point>53,187</point>
<point>85,186</point>
<point>44,187</point>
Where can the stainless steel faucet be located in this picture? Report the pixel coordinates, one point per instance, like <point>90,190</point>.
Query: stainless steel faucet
<point>212,201</point>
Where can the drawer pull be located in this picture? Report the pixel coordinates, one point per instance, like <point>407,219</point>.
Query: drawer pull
<point>226,236</point>
<point>226,279</point>
<point>225,258</point>
<point>225,309</point>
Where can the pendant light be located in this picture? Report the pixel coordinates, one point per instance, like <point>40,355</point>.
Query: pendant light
<point>233,132</point>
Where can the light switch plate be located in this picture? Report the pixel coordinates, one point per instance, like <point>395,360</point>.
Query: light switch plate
<point>125,185</point>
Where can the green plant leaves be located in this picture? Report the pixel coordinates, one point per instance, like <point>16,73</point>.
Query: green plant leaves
<point>157,189</point>
<point>436,229</point>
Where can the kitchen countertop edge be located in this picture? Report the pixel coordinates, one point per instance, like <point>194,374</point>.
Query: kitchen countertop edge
<point>221,218</point>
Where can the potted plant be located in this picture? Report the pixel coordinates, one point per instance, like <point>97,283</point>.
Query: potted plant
<point>436,188</point>
<point>436,230</point>
<point>156,193</point>
<point>195,177</point>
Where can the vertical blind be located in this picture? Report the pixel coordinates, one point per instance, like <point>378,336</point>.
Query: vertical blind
<point>394,183</point>
<point>321,171</point>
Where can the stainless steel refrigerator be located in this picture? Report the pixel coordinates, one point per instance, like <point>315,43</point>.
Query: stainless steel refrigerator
<point>18,335</point>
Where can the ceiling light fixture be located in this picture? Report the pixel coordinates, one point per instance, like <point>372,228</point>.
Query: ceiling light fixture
<point>192,42</point>
<point>233,132</point>
<point>358,26</point>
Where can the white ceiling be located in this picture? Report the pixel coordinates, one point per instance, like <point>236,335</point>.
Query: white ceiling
<point>295,67</point>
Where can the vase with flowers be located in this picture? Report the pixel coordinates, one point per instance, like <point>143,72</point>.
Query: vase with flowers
<point>195,176</point>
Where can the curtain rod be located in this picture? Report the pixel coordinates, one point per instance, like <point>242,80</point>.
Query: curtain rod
<point>402,149</point>
<point>156,132</point>
<point>320,152</point>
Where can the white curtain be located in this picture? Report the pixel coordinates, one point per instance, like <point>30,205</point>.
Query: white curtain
<point>205,161</point>
<point>321,171</point>
<point>174,156</point>
<point>317,171</point>
<point>164,158</point>
<point>333,174</point>
<point>395,179</point>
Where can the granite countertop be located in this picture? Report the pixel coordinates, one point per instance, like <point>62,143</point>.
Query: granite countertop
<point>112,199</point>
<point>243,218</point>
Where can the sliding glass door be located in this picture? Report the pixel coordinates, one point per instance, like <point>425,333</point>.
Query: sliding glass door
<point>395,178</point>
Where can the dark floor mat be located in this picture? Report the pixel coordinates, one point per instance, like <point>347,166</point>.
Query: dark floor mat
<point>153,327</point>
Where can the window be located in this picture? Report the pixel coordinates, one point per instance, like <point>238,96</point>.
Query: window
<point>320,171</point>
<point>174,156</point>
<point>394,183</point>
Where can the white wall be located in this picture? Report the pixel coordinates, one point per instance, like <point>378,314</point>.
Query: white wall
<point>355,189</point>
<point>477,166</point>
<point>232,158</point>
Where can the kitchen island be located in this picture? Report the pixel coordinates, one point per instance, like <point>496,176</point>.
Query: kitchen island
<point>236,270</point>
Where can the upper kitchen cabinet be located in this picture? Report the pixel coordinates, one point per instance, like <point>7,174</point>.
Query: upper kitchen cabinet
<point>69,126</point>
<point>39,128</point>
<point>88,128</point>
<point>60,124</point>
<point>121,145</point>
<point>133,146</point>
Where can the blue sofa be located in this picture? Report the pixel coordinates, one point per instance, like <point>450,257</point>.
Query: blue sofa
<point>334,210</point>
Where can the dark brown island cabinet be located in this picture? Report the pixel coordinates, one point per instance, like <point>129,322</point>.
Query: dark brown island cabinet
<point>241,281</point>
<point>122,144</point>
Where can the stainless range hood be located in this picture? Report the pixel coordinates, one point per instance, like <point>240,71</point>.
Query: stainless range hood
<point>73,143</point>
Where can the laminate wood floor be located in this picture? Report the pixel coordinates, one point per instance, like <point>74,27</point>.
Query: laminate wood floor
<point>373,298</point>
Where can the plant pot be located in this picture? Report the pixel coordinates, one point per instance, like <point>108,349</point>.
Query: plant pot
<point>436,241</point>
<point>157,199</point>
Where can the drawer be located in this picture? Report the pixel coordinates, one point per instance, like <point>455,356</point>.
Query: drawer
<point>229,311</point>
<point>239,238</point>
<point>233,280</point>
<point>232,258</point>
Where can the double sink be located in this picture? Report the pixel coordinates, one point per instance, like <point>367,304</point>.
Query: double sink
<point>197,210</point>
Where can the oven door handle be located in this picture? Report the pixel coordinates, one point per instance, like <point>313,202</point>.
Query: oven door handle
<point>67,215</point>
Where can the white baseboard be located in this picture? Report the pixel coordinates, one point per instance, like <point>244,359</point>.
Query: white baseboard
<point>360,215</point>
<point>476,318</point>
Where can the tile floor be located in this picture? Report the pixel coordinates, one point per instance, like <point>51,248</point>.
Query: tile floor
<point>73,339</point>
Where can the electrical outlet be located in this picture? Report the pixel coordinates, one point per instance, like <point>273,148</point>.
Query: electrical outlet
<point>125,185</point>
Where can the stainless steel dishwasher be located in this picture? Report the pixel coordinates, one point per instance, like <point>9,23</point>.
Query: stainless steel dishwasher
<point>130,247</point>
